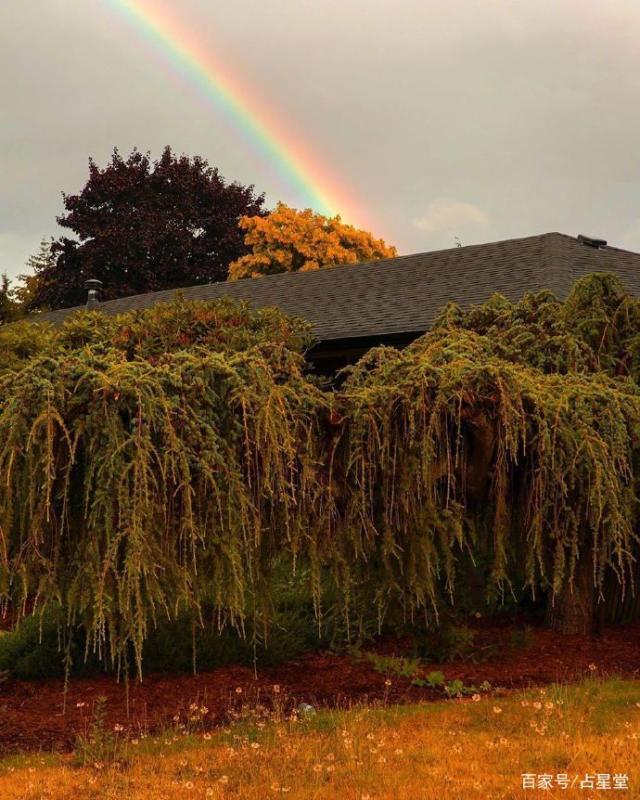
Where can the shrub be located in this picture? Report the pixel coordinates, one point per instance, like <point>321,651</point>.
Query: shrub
<point>36,648</point>
<point>168,456</point>
<point>162,466</point>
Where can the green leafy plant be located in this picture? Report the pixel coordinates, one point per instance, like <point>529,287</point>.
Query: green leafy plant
<point>434,680</point>
<point>393,665</point>
<point>454,688</point>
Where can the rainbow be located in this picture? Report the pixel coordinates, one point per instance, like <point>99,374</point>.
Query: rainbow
<point>312,184</point>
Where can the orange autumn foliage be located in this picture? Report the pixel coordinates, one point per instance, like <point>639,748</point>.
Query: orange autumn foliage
<point>288,240</point>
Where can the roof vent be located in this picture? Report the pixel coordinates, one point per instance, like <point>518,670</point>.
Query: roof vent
<point>93,285</point>
<point>589,241</point>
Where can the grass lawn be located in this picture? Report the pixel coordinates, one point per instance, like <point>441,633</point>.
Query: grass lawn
<point>473,748</point>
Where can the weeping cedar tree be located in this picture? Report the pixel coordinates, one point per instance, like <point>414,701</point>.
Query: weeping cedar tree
<point>518,422</point>
<point>153,464</point>
<point>166,460</point>
<point>144,226</point>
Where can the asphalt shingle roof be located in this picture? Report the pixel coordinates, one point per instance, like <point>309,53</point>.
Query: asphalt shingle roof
<point>403,294</point>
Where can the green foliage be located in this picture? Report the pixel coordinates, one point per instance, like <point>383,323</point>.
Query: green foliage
<point>168,464</point>
<point>8,307</point>
<point>498,430</point>
<point>596,329</point>
<point>32,650</point>
<point>155,463</point>
<point>458,688</point>
<point>455,688</point>
<point>434,680</point>
<point>411,668</point>
<point>392,665</point>
<point>290,631</point>
<point>36,648</point>
<point>22,341</point>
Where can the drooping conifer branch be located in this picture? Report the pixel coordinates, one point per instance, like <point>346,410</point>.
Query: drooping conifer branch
<point>166,460</point>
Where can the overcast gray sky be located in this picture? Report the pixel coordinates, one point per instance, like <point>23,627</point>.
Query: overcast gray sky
<point>481,119</point>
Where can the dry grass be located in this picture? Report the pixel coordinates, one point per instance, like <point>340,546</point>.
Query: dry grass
<point>474,748</point>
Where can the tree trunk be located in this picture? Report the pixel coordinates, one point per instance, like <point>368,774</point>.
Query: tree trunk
<point>482,451</point>
<point>572,610</point>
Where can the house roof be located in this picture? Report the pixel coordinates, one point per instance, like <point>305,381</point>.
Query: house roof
<point>402,295</point>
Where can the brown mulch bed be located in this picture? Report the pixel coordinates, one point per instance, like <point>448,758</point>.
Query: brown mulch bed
<point>33,714</point>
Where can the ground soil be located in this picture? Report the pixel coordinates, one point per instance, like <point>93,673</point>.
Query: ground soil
<point>37,715</point>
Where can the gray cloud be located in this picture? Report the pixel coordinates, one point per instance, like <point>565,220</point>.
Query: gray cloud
<point>525,110</point>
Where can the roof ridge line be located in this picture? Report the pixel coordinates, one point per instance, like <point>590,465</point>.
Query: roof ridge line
<point>282,275</point>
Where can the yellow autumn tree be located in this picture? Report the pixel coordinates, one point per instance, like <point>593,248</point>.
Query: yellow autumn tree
<point>288,240</point>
